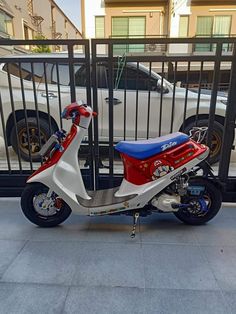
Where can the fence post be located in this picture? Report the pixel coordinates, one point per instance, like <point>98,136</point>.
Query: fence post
<point>215,84</point>
<point>229,127</point>
<point>71,72</point>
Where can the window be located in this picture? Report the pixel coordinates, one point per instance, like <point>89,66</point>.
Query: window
<point>212,26</point>
<point>28,32</point>
<point>26,71</point>
<point>183,25</point>
<point>128,27</point>
<point>99,26</point>
<point>6,24</point>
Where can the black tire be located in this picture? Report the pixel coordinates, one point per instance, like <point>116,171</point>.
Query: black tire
<point>23,147</point>
<point>213,195</point>
<point>217,138</point>
<point>27,204</point>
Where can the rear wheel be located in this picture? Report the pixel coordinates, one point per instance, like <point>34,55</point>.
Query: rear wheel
<point>204,200</point>
<point>40,210</point>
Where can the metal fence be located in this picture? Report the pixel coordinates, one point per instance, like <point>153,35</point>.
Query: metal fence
<point>136,95</point>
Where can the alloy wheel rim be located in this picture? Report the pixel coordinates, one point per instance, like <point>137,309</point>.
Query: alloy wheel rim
<point>33,139</point>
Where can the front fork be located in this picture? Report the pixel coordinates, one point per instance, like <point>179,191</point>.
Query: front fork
<point>48,200</point>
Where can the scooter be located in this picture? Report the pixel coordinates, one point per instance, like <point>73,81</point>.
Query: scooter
<point>160,175</point>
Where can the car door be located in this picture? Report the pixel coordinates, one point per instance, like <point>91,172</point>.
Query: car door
<point>137,105</point>
<point>57,90</point>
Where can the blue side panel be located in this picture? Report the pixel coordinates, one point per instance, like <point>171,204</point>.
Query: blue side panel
<point>147,148</point>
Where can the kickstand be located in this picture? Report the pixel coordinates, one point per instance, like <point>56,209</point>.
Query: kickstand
<point>136,217</point>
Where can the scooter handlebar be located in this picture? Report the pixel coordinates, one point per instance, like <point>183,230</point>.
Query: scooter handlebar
<point>74,109</point>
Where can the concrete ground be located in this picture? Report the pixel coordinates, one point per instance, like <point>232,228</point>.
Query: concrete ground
<point>91,265</point>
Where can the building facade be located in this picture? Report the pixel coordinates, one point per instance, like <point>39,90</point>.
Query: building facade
<point>125,19</point>
<point>173,18</point>
<point>29,19</point>
<point>203,18</point>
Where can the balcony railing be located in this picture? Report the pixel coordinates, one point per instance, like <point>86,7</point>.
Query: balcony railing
<point>211,47</point>
<point>213,2</point>
<point>157,2</point>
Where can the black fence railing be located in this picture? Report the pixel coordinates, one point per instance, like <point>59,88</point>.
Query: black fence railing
<point>137,96</point>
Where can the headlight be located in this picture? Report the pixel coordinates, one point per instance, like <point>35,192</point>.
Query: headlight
<point>224,101</point>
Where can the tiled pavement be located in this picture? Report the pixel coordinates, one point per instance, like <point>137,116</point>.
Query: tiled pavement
<point>91,265</point>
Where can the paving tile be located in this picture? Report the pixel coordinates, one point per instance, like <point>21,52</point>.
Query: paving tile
<point>104,300</point>
<point>27,299</point>
<point>8,252</point>
<point>177,267</point>
<point>110,265</point>
<point>14,226</point>
<point>89,229</point>
<point>10,205</point>
<point>75,228</point>
<point>166,229</point>
<point>222,261</point>
<point>44,262</point>
<point>230,300</point>
<point>220,231</point>
<point>184,302</point>
<point>228,210</point>
<point>112,229</point>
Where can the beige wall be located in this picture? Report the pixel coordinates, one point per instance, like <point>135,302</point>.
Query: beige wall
<point>41,8</point>
<point>155,21</point>
<point>204,11</point>
<point>20,14</point>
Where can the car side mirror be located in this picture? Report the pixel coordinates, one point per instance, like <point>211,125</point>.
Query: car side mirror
<point>162,87</point>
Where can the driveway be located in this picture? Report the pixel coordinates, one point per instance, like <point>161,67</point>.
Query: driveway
<point>91,265</point>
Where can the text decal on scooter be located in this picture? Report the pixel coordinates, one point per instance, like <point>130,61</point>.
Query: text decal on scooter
<point>168,145</point>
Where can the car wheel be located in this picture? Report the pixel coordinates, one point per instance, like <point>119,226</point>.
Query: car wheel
<point>217,137</point>
<point>34,143</point>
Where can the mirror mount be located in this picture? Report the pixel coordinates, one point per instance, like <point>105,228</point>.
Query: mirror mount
<point>162,87</point>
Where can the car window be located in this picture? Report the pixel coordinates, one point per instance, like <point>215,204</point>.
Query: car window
<point>26,71</point>
<point>64,74</point>
<point>129,78</point>
<point>133,79</point>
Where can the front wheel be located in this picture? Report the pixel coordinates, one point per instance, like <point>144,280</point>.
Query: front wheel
<point>201,203</point>
<point>39,209</point>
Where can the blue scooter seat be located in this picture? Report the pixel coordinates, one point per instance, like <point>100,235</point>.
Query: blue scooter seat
<point>146,148</point>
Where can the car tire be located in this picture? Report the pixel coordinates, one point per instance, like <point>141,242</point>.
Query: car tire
<point>217,137</point>
<point>20,142</point>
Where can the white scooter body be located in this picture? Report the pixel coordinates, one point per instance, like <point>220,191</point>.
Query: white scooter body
<point>65,179</point>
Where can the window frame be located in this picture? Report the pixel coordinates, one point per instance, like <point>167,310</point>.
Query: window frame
<point>212,35</point>
<point>129,47</point>
<point>103,19</point>
<point>7,17</point>
<point>186,16</point>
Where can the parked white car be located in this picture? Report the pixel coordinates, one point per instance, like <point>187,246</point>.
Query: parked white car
<point>131,110</point>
